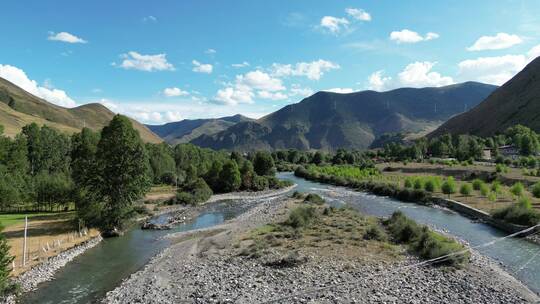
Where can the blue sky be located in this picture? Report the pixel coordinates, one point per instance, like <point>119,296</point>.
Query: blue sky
<point>163,61</point>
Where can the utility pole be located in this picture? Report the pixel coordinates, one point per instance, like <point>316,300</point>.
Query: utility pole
<point>25,232</point>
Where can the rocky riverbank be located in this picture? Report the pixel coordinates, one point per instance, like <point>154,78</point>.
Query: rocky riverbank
<point>205,267</point>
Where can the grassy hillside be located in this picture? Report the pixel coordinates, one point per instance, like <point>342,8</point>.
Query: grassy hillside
<point>19,108</point>
<point>516,102</point>
<point>186,130</point>
<point>328,121</point>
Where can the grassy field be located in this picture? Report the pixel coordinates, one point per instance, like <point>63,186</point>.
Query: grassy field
<point>504,197</point>
<point>48,235</point>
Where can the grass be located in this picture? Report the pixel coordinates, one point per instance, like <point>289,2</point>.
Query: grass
<point>10,219</point>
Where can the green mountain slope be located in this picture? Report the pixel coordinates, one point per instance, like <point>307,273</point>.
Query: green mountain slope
<point>19,108</point>
<point>186,130</point>
<point>516,102</point>
<point>329,121</point>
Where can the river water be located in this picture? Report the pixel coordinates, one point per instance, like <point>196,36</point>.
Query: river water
<point>100,269</point>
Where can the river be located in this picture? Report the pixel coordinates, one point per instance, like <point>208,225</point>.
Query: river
<point>88,277</point>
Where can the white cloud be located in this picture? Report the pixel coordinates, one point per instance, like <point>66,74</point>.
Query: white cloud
<point>297,90</point>
<point>358,14</point>
<point>202,67</point>
<point>495,70</point>
<point>260,81</point>
<point>149,19</point>
<point>135,61</point>
<point>210,51</point>
<point>65,37</point>
<point>174,92</point>
<point>378,82</point>
<point>497,42</point>
<point>408,36</point>
<point>334,24</point>
<point>233,96</point>
<point>416,75</point>
<point>419,74</point>
<point>534,52</point>
<point>312,70</point>
<point>240,65</point>
<point>272,95</point>
<point>19,78</point>
<point>340,90</point>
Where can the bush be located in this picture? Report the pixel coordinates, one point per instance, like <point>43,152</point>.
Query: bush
<point>298,195</point>
<point>517,189</point>
<point>516,214</point>
<point>466,189</point>
<point>194,193</point>
<point>496,187</point>
<point>430,185</point>
<point>422,241</point>
<point>301,216</point>
<point>536,190</point>
<point>477,184</point>
<point>484,190</point>
<point>314,199</point>
<point>492,197</point>
<point>408,183</point>
<point>374,232</point>
<point>418,184</point>
<point>260,183</point>
<point>525,202</point>
<point>449,186</point>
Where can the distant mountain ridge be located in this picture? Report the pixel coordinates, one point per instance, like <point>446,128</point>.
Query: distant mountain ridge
<point>516,102</point>
<point>328,121</point>
<point>188,129</point>
<point>19,108</point>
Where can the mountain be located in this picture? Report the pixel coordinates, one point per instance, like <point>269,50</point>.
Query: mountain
<point>186,130</point>
<point>516,102</point>
<point>19,108</point>
<point>328,121</point>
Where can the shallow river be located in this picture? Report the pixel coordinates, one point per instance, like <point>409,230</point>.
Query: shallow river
<point>88,277</point>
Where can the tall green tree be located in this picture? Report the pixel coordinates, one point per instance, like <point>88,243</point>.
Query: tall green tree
<point>122,174</point>
<point>230,177</point>
<point>5,264</point>
<point>264,163</point>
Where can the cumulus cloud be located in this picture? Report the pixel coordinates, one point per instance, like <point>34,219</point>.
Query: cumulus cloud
<point>419,74</point>
<point>174,92</point>
<point>312,70</point>
<point>496,69</point>
<point>202,67</point>
<point>408,36</point>
<point>260,81</point>
<point>333,24</point>
<point>20,79</point>
<point>234,96</point>
<point>297,90</point>
<point>65,37</point>
<point>340,90</point>
<point>148,63</point>
<point>272,95</point>
<point>240,65</point>
<point>416,75</point>
<point>358,14</point>
<point>378,82</point>
<point>497,42</point>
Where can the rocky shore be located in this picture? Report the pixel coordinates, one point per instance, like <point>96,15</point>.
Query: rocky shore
<point>204,267</point>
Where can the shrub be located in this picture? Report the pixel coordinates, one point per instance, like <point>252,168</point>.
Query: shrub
<point>496,187</point>
<point>449,186</point>
<point>484,190</point>
<point>517,189</point>
<point>408,182</point>
<point>492,197</point>
<point>301,216</point>
<point>314,199</point>
<point>260,183</point>
<point>536,190</point>
<point>194,193</point>
<point>430,185</point>
<point>466,189</point>
<point>525,202</point>
<point>418,184</point>
<point>422,241</point>
<point>298,195</point>
<point>518,215</point>
<point>374,232</point>
<point>477,184</point>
